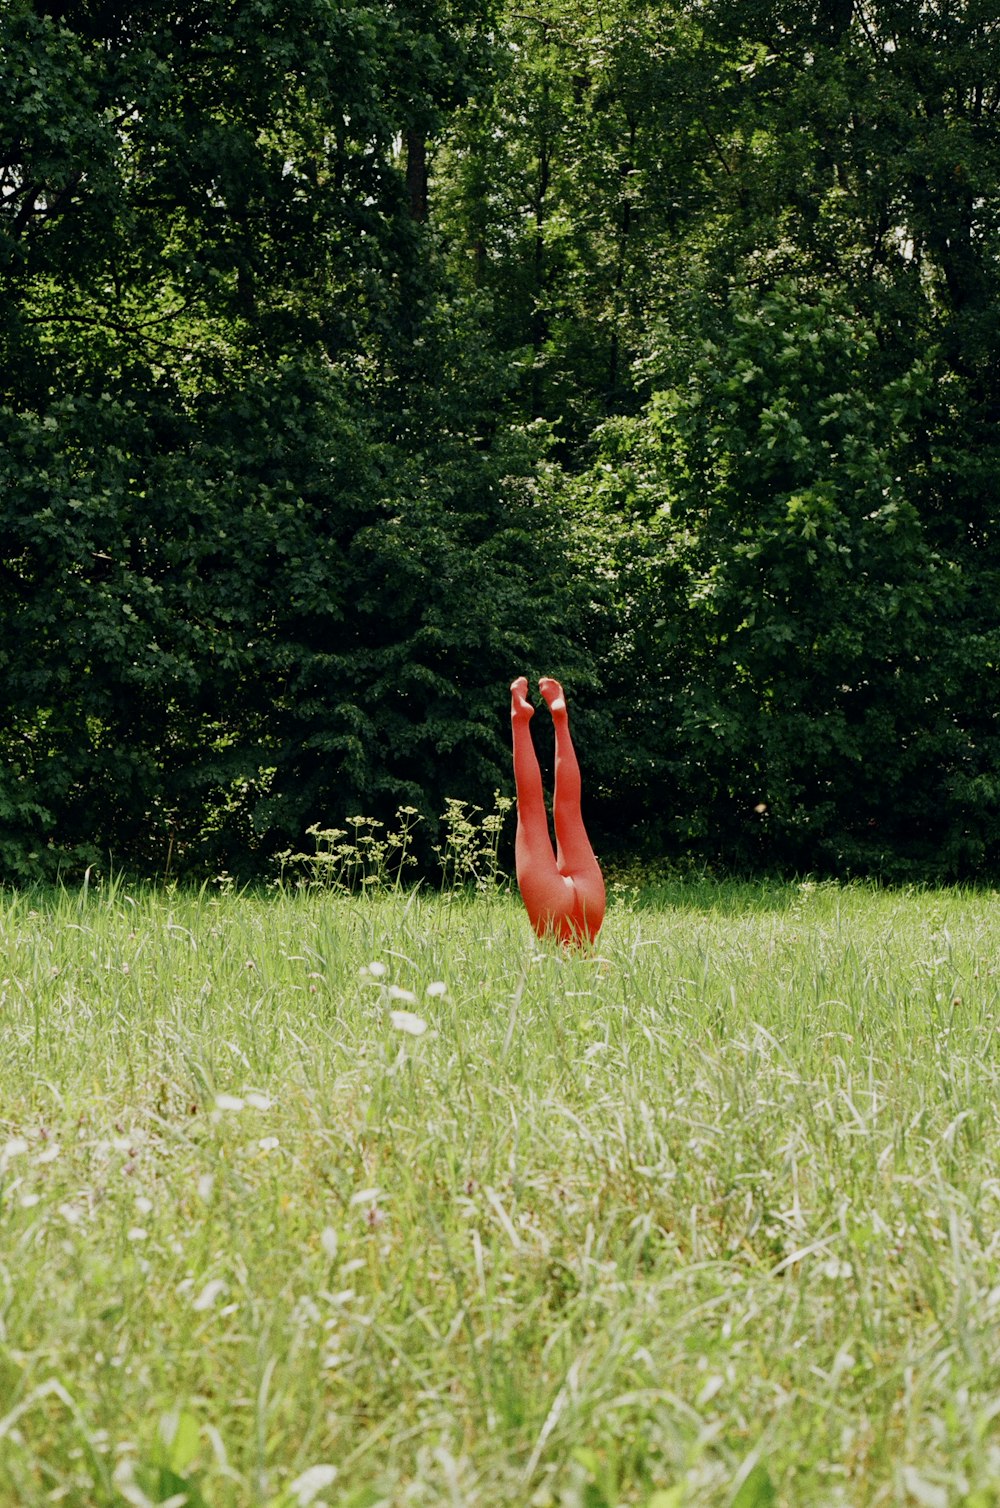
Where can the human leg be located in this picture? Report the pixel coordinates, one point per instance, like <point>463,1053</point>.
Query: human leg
<point>549,896</point>
<point>575,857</point>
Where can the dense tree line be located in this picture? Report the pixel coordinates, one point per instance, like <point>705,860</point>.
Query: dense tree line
<point>355,357</point>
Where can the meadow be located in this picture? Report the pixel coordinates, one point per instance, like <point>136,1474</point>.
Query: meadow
<point>376,1200</point>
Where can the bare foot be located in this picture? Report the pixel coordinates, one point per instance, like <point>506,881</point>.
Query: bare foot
<point>553,694</point>
<point>519,704</point>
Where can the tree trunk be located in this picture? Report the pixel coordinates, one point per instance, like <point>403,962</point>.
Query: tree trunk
<point>416,175</point>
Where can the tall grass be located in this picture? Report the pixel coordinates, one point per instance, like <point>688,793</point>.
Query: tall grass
<point>376,1200</point>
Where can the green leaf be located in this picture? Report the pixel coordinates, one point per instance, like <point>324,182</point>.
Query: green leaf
<point>180,1434</point>
<point>757,1490</point>
<point>361,1497</point>
<point>667,1497</point>
<point>595,1497</point>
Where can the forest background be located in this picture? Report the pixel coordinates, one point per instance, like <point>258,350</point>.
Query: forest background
<point>356,357</point>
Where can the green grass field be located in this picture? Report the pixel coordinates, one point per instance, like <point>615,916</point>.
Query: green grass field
<point>318,1200</point>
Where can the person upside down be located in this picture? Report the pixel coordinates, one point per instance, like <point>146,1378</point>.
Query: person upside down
<point>563,892</point>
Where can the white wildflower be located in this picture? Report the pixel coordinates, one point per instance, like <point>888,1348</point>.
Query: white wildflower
<point>50,1154</point>
<point>259,1101</point>
<point>268,1143</point>
<point>229,1102</point>
<point>206,1183</point>
<point>329,1241</point>
<point>138,1233</point>
<point>16,1147</point>
<point>927,1494</point>
<point>395,993</point>
<point>376,969</point>
<point>208,1295</point>
<point>365,1196</point>
<point>142,1204</point>
<point>406,1021</point>
<point>306,1488</point>
<point>436,987</point>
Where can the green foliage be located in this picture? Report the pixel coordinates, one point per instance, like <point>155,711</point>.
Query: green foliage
<point>469,853</point>
<point>563,188</point>
<point>354,358</point>
<point>798,678</point>
<point>265,554</point>
<point>369,855</point>
<point>364,855</point>
<point>280,616</point>
<point>812,595</point>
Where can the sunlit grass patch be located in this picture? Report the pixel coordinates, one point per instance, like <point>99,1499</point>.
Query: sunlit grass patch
<point>375,1199</point>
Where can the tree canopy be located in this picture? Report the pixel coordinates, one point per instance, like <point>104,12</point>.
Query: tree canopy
<point>356,357</point>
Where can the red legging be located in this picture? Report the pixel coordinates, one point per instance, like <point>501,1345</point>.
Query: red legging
<point>564,891</point>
